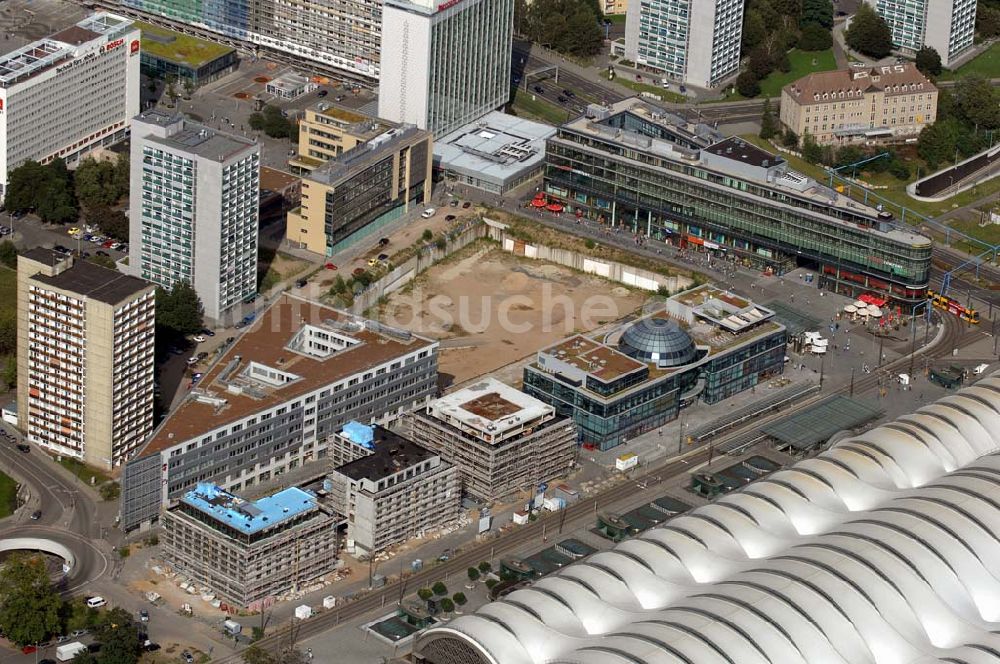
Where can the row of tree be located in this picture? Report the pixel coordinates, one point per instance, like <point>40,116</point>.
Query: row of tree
<point>967,118</point>
<point>773,27</point>
<point>572,27</point>
<point>32,611</point>
<point>273,123</point>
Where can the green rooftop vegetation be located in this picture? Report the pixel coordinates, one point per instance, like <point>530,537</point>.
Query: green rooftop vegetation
<point>177,47</point>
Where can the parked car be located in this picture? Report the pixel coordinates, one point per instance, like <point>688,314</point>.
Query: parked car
<point>569,93</point>
<point>466,205</point>
<point>192,361</point>
<point>383,257</point>
<point>143,615</point>
<point>330,266</point>
<point>539,89</point>
<point>322,93</point>
<point>230,340</point>
<point>36,515</point>
<point>372,262</point>
<point>454,202</point>
<point>107,244</point>
<point>450,217</point>
<point>198,339</point>
<point>61,249</point>
<point>383,242</point>
<point>23,447</point>
<point>202,355</point>
<point>101,252</point>
<point>207,332</point>
<point>116,246</point>
<point>561,99</point>
<point>96,602</point>
<point>301,283</point>
<point>73,231</point>
<point>428,213</point>
<point>358,271</point>
<point>79,632</point>
<point>187,657</point>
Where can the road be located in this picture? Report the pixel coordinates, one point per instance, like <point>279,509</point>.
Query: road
<point>955,335</point>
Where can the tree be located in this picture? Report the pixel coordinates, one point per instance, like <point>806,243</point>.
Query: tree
<point>868,33</point>
<point>815,38</point>
<point>768,124</point>
<point>439,588</point>
<point>760,62</point>
<point>459,598</point>
<point>8,254</point>
<point>929,61</point>
<point>110,491</point>
<point>179,309</point>
<point>119,637</point>
<point>819,12</point>
<point>977,103</point>
<point>485,567</point>
<point>427,235</point>
<point>987,21</point>
<point>811,150</point>
<point>937,142</point>
<point>95,183</point>
<point>899,169</point>
<point>754,30</point>
<point>10,372</point>
<point>571,27</point>
<point>77,615</point>
<point>22,185</point>
<point>447,605</point>
<point>257,655</point>
<point>473,574</point>
<point>29,605</point>
<point>849,154</point>
<point>789,139</point>
<point>8,332</point>
<point>425,594</point>
<point>747,85</point>
<point>112,223</point>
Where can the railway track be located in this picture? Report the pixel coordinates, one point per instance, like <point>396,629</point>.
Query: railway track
<point>956,335</point>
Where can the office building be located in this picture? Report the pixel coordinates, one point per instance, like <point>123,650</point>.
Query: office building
<point>497,153</point>
<point>948,26</point>
<point>327,131</point>
<point>876,550</point>
<point>247,553</point>
<point>272,401</point>
<point>860,105</point>
<point>444,64</point>
<point>340,37</point>
<point>192,61</point>
<point>689,41</point>
<point>631,169</point>
<point>355,195</point>
<point>85,360</point>
<point>68,93</point>
<point>502,440</point>
<point>397,491</point>
<point>188,183</point>
<point>704,344</point>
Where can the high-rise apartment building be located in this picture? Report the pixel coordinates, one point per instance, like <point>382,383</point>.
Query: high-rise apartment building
<point>690,41</point>
<point>85,358</point>
<point>396,491</point>
<point>447,64</point>
<point>68,93</point>
<point>339,36</point>
<point>946,25</point>
<point>194,210</point>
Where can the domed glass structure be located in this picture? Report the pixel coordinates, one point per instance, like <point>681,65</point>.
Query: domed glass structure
<point>658,340</point>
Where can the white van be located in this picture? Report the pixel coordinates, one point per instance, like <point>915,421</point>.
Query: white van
<point>96,602</point>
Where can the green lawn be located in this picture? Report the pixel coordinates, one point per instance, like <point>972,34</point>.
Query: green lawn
<point>803,62</point>
<point>538,108</point>
<point>985,64</point>
<point>84,472</point>
<point>178,47</point>
<point>8,495</point>
<point>617,19</point>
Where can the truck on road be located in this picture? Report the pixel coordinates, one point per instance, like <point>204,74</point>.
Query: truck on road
<point>66,652</point>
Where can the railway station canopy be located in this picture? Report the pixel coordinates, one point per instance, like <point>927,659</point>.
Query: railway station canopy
<point>883,549</point>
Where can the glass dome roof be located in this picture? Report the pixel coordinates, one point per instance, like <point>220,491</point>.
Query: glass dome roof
<point>658,340</point>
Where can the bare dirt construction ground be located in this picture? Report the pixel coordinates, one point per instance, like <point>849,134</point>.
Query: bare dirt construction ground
<point>490,308</point>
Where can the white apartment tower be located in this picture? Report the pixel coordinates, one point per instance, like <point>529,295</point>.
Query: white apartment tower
<point>946,25</point>
<point>85,358</point>
<point>68,93</point>
<point>690,41</point>
<point>444,65</point>
<point>194,210</point>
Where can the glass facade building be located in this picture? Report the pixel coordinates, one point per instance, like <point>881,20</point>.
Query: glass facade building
<point>641,375</point>
<point>732,199</point>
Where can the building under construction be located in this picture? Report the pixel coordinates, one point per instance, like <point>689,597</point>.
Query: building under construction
<point>502,440</point>
<point>249,552</point>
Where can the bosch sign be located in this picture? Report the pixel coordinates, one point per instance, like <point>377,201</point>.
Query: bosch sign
<point>112,45</point>
<point>445,5</point>
<point>133,48</point>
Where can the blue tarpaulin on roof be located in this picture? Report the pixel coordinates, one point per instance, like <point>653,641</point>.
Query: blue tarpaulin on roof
<point>360,434</point>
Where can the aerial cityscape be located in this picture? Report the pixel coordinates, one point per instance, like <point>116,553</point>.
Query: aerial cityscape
<point>500,332</point>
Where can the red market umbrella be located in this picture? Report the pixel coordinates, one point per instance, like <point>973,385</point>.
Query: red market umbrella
<point>538,202</point>
<point>554,207</point>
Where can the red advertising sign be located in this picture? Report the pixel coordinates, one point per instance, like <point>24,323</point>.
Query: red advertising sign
<point>445,5</point>
<point>111,45</point>
<point>133,48</point>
